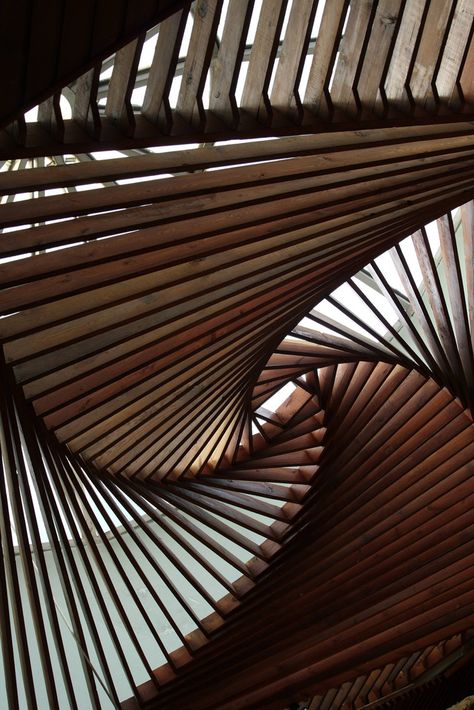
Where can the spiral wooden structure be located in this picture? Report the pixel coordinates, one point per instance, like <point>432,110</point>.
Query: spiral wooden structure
<point>236,420</point>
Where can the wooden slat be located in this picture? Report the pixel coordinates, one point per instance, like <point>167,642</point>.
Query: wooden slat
<point>201,45</point>
<point>85,109</point>
<point>50,116</point>
<point>468,239</point>
<point>119,105</point>
<point>405,45</point>
<point>255,99</point>
<point>284,95</point>
<point>352,44</point>
<point>423,72</point>
<point>156,105</point>
<point>325,53</point>
<point>225,65</point>
<point>383,31</point>
<point>451,62</point>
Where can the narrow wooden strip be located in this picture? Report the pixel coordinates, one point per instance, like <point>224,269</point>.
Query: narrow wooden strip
<point>118,105</point>
<point>201,44</point>
<point>226,64</point>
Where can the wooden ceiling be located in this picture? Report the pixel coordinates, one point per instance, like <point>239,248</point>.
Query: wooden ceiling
<point>241,68</point>
<point>151,306</point>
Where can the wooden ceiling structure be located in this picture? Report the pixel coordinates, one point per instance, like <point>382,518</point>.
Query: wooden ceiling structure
<point>152,304</point>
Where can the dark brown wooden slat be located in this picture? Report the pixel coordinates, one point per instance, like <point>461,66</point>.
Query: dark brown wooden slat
<point>429,491</point>
<point>58,468</point>
<point>415,340</point>
<point>60,549</point>
<point>50,116</point>
<point>40,561</point>
<point>10,492</point>
<point>416,300</point>
<point>182,541</point>
<point>186,525</point>
<point>164,577</point>
<point>13,587</point>
<point>261,489</point>
<point>97,556</point>
<point>437,300</point>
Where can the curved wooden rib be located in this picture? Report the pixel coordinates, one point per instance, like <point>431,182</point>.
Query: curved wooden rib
<point>376,572</point>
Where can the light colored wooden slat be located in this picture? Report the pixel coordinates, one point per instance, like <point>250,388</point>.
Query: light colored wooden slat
<point>201,45</point>
<point>449,69</point>
<point>427,54</point>
<point>285,96</point>
<point>86,254</point>
<point>466,80</point>
<point>459,311</point>
<point>254,97</point>
<point>381,35</point>
<point>211,156</point>
<point>395,84</point>
<point>156,106</point>
<point>94,200</point>
<point>324,55</point>
<point>112,292</point>
<point>225,65</point>
<point>118,105</point>
<point>342,90</point>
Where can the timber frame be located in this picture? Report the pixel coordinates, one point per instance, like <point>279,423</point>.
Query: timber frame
<point>204,548</point>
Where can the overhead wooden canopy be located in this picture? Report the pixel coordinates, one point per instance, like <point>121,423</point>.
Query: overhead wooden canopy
<point>152,305</point>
